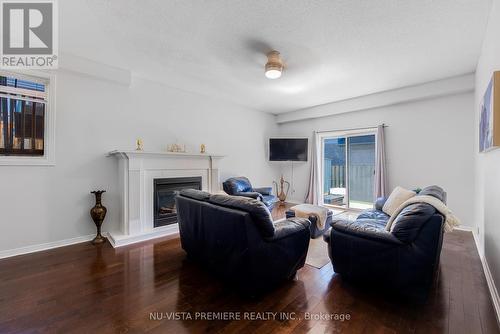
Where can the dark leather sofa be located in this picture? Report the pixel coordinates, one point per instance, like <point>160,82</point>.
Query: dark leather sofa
<point>241,186</point>
<point>235,238</point>
<point>405,259</point>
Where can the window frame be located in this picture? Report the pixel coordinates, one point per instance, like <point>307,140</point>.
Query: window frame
<point>48,158</point>
<point>335,134</point>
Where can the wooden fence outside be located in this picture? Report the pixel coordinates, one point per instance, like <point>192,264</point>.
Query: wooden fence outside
<point>361,180</point>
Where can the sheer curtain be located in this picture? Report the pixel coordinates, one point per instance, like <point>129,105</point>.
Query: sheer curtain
<point>380,180</point>
<point>312,196</point>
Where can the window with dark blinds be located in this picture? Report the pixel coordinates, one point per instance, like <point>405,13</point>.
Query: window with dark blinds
<point>22,117</point>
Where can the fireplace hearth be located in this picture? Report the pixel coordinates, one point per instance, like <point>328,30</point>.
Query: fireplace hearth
<point>164,197</point>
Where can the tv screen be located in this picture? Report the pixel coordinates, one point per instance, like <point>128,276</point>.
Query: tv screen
<point>288,149</point>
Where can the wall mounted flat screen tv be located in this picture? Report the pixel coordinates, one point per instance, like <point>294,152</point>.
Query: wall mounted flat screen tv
<point>288,149</point>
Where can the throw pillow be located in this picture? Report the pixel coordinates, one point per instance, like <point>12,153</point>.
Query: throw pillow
<point>398,196</point>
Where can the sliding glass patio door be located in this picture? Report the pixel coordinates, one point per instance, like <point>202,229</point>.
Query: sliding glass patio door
<point>348,170</point>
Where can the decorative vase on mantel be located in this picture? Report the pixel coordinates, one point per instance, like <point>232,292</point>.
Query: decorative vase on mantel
<point>98,213</point>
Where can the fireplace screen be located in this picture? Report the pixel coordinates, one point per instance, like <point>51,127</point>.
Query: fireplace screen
<point>164,196</point>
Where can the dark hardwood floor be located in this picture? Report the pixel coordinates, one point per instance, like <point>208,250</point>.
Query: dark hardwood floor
<point>98,289</point>
<point>279,210</point>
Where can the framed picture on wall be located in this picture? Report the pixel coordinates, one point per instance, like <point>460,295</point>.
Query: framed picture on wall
<point>489,124</point>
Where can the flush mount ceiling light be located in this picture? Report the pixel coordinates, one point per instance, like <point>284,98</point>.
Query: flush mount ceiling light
<point>274,65</point>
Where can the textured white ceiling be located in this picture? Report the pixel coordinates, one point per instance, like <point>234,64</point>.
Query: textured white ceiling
<point>333,49</point>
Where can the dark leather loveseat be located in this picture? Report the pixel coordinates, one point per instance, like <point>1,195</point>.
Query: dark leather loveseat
<point>241,186</point>
<point>404,259</point>
<point>236,238</point>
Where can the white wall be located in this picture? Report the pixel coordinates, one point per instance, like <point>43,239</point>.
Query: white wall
<point>427,142</point>
<point>487,197</point>
<point>48,204</point>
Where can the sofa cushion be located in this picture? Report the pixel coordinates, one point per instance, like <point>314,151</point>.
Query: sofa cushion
<point>374,223</point>
<point>195,194</point>
<point>398,196</point>
<point>258,210</point>
<point>434,191</point>
<point>373,214</point>
<point>410,221</point>
<point>287,227</point>
<point>364,229</point>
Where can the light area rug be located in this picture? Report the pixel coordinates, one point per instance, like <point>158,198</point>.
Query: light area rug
<point>336,212</point>
<point>317,255</point>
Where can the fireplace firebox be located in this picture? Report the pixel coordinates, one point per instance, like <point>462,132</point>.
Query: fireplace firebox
<point>164,197</point>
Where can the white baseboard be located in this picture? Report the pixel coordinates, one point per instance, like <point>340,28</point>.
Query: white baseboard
<point>115,239</point>
<point>45,246</point>
<point>294,201</point>
<point>465,228</point>
<point>493,289</point>
<point>487,273</point>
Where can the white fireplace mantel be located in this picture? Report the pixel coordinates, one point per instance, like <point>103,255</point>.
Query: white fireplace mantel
<point>137,172</point>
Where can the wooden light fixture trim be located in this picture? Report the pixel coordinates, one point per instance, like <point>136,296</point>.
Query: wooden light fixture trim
<point>274,63</point>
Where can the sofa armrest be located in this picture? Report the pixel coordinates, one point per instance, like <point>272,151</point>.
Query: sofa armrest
<point>251,194</point>
<point>365,231</point>
<point>263,190</point>
<point>379,203</point>
<point>288,227</point>
<point>312,218</point>
<point>326,235</point>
